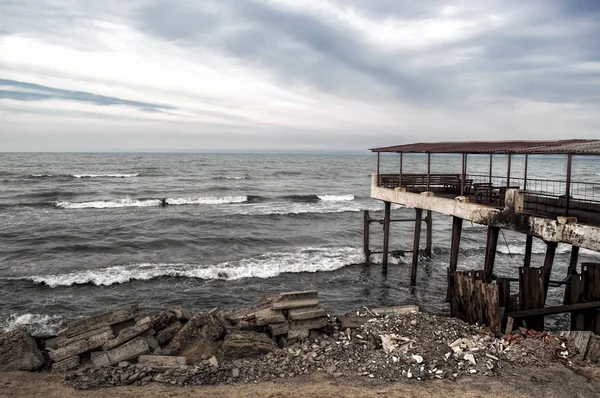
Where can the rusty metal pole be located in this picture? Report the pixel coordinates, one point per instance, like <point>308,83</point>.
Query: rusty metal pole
<point>417,237</point>
<point>525,176</point>
<point>491,158</point>
<point>428,168</point>
<point>386,237</point>
<point>508,171</point>
<point>378,174</point>
<point>429,234</point>
<point>568,183</point>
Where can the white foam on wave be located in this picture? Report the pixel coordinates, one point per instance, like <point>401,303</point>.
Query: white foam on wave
<point>537,248</point>
<point>208,200</point>
<point>41,175</point>
<point>268,265</point>
<point>127,202</point>
<point>107,204</point>
<point>336,198</point>
<point>105,175</point>
<point>34,323</point>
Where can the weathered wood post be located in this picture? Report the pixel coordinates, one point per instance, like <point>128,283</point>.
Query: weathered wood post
<point>429,234</point>
<point>490,251</point>
<point>366,238</point>
<point>454,249</point>
<point>531,294</point>
<point>386,236</point>
<point>417,237</point>
<point>528,249</point>
<point>548,262</point>
<point>572,270</point>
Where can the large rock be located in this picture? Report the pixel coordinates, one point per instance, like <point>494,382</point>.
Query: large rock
<point>62,339</point>
<point>203,328</point>
<point>163,319</point>
<point>167,334</point>
<point>18,351</point>
<point>300,314</point>
<point>243,344</point>
<point>267,316</point>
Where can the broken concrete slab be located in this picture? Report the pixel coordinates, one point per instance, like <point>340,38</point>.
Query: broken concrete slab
<point>162,360</point>
<point>267,316</point>
<point>278,329</point>
<point>316,323</point>
<point>167,334</point>
<point>80,346</point>
<point>66,364</point>
<point>163,319</point>
<point>201,328</point>
<point>290,300</point>
<point>182,314</point>
<point>108,318</point>
<point>399,310</point>
<point>127,334</point>
<point>18,351</point>
<point>352,322</point>
<point>62,339</point>
<point>299,314</point>
<point>130,350</point>
<point>244,344</point>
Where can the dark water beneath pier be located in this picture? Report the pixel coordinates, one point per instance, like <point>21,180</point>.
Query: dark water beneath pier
<point>83,232</point>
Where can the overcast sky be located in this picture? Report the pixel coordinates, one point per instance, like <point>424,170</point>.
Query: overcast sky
<point>294,75</point>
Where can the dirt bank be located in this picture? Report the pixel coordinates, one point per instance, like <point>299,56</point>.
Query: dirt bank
<point>552,381</point>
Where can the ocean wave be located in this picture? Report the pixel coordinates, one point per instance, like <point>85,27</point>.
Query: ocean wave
<point>537,248</point>
<point>128,202</point>
<point>336,198</point>
<point>34,323</point>
<point>231,178</point>
<point>268,265</point>
<point>105,175</point>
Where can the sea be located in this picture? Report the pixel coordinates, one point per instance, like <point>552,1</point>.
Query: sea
<point>84,232</point>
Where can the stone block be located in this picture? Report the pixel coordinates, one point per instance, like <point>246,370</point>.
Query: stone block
<point>299,314</point>
<point>80,346</point>
<point>66,364</point>
<point>182,314</point>
<point>167,334</point>
<point>267,316</point>
<point>289,300</point>
<point>352,322</point>
<point>400,310</point>
<point>18,351</point>
<point>278,329</point>
<point>127,334</point>
<point>163,319</point>
<point>162,360</point>
<point>130,350</point>
<point>118,327</point>
<point>316,323</point>
<point>107,319</point>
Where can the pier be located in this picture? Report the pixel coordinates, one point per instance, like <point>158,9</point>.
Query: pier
<point>555,211</point>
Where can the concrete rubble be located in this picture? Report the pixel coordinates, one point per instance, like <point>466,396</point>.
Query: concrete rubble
<point>290,335</point>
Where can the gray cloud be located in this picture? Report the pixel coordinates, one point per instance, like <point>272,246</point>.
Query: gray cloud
<point>35,92</point>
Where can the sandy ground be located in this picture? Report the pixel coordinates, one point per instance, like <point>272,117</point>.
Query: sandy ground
<point>555,381</point>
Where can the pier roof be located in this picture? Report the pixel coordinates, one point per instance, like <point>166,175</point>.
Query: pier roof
<point>573,146</point>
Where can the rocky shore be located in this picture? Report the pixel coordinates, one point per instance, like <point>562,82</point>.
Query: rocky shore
<point>282,337</point>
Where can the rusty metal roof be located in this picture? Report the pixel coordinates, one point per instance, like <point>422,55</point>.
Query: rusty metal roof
<point>575,147</point>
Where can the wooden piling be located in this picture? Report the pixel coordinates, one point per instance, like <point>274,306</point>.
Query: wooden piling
<point>366,238</point>
<point>504,293</point>
<point>429,234</point>
<point>591,289</point>
<point>417,237</point>
<point>455,242</point>
<point>572,270</point>
<point>577,296</point>
<point>531,294</point>
<point>386,236</point>
<point>490,251</point>
<point>528,250</point>
<point>548,262</point>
